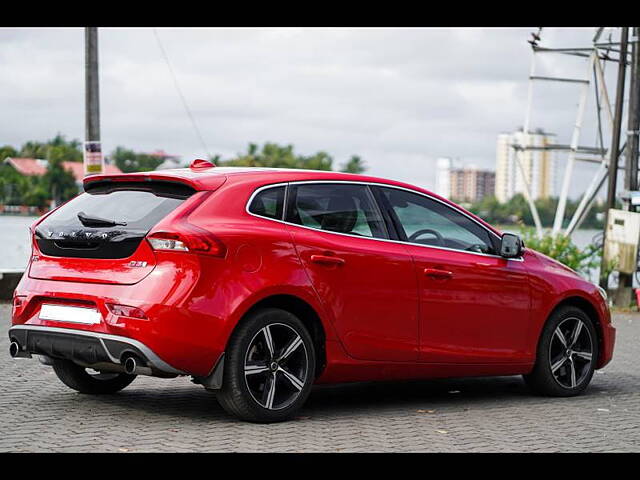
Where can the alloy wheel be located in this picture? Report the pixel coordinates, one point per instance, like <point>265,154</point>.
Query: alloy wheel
<point>571,352</point>
<point>276,366</point>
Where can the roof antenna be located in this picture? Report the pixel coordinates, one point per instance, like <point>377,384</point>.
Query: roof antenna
<point>200,164</point>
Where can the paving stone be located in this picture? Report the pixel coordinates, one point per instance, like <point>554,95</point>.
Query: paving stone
<point>38,413</point>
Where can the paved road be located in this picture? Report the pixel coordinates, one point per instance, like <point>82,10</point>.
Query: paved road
<point>38,413</point>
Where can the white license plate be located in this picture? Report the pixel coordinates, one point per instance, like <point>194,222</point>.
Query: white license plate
<point>63,313</point>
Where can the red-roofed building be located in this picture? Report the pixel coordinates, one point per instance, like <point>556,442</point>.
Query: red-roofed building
<point>28,166</point>
<point>77,169</point>
<point>37,167</point>
<point>164,155</point>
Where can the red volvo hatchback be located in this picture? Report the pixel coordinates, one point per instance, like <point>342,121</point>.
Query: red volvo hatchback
<point>259,283</point>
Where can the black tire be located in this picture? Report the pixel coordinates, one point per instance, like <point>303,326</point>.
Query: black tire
<point>76,377</point>
<point>564,371</point>
<point>248,345</point>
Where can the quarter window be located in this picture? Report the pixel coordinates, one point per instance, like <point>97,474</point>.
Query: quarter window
<point>339,208</point>
<point>428,222</point>
<point>268,203</point>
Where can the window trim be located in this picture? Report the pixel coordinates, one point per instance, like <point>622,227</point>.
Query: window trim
<point>377,184</point>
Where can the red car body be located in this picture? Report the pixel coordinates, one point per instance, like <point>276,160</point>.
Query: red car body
<point>379,312</point>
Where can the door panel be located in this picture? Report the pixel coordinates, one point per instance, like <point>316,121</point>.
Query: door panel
<point>368,286</point>
<point>474,305</point>
<point>477,312</point>
<point>370,290</point>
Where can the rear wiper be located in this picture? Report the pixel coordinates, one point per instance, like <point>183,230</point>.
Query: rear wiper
<point>89,221</point>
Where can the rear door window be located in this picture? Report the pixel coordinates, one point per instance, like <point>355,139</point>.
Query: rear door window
<point>339,208</point>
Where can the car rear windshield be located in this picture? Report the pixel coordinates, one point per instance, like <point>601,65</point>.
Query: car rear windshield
<point>108,221</point>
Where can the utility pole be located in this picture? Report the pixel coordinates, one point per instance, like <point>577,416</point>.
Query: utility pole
<point>615,148</point>
<point>631,170</point>
<point>92,94</point>
<point>624,295</point>
<point>93,159</point>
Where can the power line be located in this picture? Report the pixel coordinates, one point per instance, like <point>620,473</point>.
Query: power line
<point>180,94</point>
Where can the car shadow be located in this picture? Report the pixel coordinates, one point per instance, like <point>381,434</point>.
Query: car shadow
<point>453,394</point>
<point>415,393</point>
<point>189,401</point>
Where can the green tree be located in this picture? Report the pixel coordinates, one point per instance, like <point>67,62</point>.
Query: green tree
<point>58,148</point>
<point>12,185</point>
<point>272,155</point>
<point>36,196</point>
<point>59,182</point>
<point>129,161</point>
<point>33,149</point>
<point>561,248</point>
<point>319,161</point>
<point>7,151</point>
<point>516,211</point>
<point>354,165</point>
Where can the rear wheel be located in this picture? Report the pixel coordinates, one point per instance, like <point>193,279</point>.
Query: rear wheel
<point>86,381</point>
<point>269,367</point>
<point>567,354</point>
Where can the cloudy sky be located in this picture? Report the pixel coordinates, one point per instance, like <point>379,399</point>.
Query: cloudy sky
<point>400,98</point>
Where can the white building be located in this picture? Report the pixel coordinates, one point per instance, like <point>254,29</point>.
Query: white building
<point>539,165</point>
<point>443,177</point>
<point>169,161</point>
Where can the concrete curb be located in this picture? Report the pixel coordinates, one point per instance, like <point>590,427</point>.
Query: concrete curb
<point>8,281</point>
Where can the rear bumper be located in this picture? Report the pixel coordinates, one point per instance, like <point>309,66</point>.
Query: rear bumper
<point>87,348</point>
<point>186,333</point>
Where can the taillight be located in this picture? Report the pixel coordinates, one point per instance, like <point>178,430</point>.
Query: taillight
<point>18,304</point>
<point>167,241</point>
<point>126,311</point>
<point>191,239</point>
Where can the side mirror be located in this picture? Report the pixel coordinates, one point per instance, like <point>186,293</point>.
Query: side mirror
<point>511,246</point>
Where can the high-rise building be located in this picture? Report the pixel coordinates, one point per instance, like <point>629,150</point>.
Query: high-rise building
<point>538,164</point>
<point>468,184</point>
<point>443,177</point>
<point>471,184</point>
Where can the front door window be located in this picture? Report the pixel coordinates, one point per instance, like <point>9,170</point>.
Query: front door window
<point>428,222</point>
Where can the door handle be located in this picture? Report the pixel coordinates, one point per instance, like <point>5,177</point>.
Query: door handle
<point>483,265</point>
<point>437,273</point>
<point>327,260</point>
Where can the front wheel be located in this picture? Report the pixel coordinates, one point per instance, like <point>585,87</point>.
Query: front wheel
<point>567,354</point>
<point>82,380</point>
<point>269,367</point>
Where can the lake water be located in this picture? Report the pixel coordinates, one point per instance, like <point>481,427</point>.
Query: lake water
<point>14,238</point>
<point>15,241</point>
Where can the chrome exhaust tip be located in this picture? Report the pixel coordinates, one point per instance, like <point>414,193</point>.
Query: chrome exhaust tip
<point>132,367</point>
<point>16,352</point>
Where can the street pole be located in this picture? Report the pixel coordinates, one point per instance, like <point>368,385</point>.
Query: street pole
<point>92,149</point>
<point>631,170</point>
<point>615,148</point>
<point>92,95</point>
<point>624,295</point>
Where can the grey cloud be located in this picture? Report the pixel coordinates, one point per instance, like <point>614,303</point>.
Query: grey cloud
<point>398,97</point>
